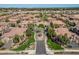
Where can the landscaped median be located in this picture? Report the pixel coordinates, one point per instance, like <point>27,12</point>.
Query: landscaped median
<point>53,46</point>
<point>26,44</point>
<point>54,42</point>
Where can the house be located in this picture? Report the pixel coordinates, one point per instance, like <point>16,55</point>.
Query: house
<point>58,22</point>
<point>24,24</point>
<point>63,31</point>
<point>14,31</point>
<point>4,27</point>
<point>13,20</point>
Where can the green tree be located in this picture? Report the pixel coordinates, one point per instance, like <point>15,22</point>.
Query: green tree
<point>16,38</point>
<point>28,32</point>
<point>43,16</point>
<point>6,20</point>
<point>0,33</point>
<point>30,29</point>
<point>64,38</point>
<point>18,21</point>
<point>41,25</point>
<point>56,25</point>
<point>1,43</point>
<point>31,26</point>
<point>12,25</point>
<point>51,32</point>
<point>52,25</point>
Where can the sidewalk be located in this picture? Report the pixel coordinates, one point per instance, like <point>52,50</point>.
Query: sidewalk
<point>29,52</point>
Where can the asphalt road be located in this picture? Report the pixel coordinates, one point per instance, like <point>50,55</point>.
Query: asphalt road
<point>40,47</point>
<point>8,45</point>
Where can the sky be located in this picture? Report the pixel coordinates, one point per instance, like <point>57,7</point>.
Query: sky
<point>39,5</point>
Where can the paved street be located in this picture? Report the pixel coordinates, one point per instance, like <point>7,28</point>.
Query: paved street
<point>40,41</point>
<point>40,47</point>
<point>8,45</point>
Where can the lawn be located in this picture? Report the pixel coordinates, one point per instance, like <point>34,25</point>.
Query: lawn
<point>53,45</point>
<point>26,44</point>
